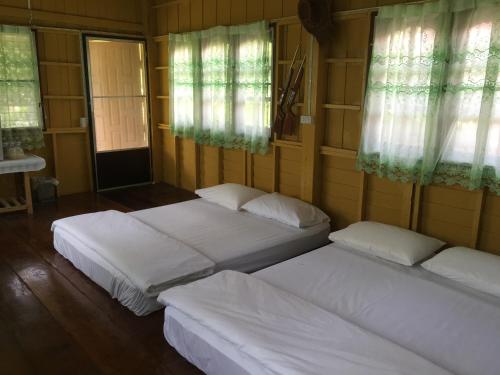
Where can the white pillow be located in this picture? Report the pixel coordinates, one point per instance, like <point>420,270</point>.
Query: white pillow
<point>474,268</point>
<point>396,244</point>
<point>287,210</point>
<point>231,196</point>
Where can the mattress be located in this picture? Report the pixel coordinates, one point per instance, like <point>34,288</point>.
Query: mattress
<point>452,326</point>
<point>236,240</point>
<point>232,239</point>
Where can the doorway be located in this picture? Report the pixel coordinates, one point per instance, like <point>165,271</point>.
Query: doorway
<point>118,111</point>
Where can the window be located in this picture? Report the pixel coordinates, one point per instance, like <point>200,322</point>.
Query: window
<point>220,86</point>
<point>433,104</point>
<point>20,112</point>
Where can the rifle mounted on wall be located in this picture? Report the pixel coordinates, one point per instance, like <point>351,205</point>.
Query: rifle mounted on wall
<point>286,121</point>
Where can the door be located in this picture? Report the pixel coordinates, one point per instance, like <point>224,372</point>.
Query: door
<point>117,88</point>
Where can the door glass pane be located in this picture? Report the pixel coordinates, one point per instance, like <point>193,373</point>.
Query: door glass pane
<point>118,90</point>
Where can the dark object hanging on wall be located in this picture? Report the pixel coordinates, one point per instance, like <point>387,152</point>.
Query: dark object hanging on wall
<point>316,17</point>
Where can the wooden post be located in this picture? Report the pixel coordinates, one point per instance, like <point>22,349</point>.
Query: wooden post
<point>27,193</point>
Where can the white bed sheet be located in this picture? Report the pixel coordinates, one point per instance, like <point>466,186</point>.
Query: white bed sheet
<point>280,333</point>
<point>251,244</point>
<point>234,240</point>
<point>450,325</point>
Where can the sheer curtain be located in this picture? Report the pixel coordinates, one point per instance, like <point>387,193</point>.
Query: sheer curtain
<point>407,73</point>
<point>470,148</point>
<point>220,86</point>
<point>433,110</point>
<point>20,112</point>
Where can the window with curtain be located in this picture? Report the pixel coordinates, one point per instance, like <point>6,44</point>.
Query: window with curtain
<point>220,86</point>
<point>20,104</point>
<point>432,103</point>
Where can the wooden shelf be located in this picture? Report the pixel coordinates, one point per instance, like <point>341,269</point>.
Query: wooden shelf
<point>74,130</point>
<point>12,204</point>
<point>162,97</point>
<point>289,62</point>
<point>162,67</point>
<point>164,126</point>
<point>63,97</point>
<point>344,60</point>
<point>342,106</point>
<point>56,63</point>
<point>336,151</point>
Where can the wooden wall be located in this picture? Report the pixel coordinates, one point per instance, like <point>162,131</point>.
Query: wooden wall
<point>67,150</point>
<point>318,165</point>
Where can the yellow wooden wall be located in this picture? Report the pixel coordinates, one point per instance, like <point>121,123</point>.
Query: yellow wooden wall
<point>318,165</point>
<point>67,150</point>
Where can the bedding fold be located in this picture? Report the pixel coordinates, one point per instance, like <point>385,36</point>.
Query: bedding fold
<point>286,334</point>
<point>151,260</point>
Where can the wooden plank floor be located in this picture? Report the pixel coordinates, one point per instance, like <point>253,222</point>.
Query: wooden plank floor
<point>55,320</point>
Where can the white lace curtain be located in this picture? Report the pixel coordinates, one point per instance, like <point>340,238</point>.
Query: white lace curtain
<point>220,86</point>
<point>20,104</point>
<point>433,105</point>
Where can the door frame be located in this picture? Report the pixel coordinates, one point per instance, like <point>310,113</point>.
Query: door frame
<point>90,113</point>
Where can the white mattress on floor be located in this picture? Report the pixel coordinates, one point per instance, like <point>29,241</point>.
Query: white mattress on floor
<point>454,327</point>
<point>232,239</point>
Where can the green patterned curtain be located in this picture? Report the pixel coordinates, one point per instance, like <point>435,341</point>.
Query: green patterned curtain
<point>20,112</point>
<point>407,73</point>
<point>220,86</point>
<point>470,126</point>
<point>432,102</point>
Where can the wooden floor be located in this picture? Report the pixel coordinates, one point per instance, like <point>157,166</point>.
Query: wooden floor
<point>53,320</point>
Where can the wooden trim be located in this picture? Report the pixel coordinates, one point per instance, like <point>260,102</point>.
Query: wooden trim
<point>162,67</point>
<point>63,97</point>
<point>362,196</point>
<point>56,30</point>
<point>282,21</point>
<point>406,209</point>
<point>177,162</point>
<point>167,3</point>
<point>220,164</point>
<point>345,60</point>
<point>87,22</point>
<point>288,144</point>
<point>162,97</point>
<point>476,219</point>
<point>56,63</point>
<point>250,165</point>
<point>339,152</point>
<point>342,106</point>
<point>160,38</point>
<point>417,200</point>
<point>276,168</point>
<point>197,169</point>
<point>73,130</point>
